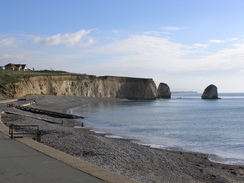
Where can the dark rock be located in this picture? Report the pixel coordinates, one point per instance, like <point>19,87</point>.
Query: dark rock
<point>210,92</point>
<point>164,91</point>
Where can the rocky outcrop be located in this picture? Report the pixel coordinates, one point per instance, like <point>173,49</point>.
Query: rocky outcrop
<point>211,92</point>
<point>84,85</point>
<point>164,91</point>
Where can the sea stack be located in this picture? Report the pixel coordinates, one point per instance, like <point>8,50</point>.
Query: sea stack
<point>164,91</point>
<point>211,92</point>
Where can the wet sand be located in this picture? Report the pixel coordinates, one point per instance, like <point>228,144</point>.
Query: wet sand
<point>138,162</point>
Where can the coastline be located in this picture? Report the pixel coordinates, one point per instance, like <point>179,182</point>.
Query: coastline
<point>136,161</point>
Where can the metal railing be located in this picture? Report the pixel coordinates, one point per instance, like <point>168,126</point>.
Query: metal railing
<point>17,131</point>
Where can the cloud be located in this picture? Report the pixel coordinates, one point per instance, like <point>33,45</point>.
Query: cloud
<point>69,39</point>
<point>150,55</point>
<point>226,59</point>
<point>216,41</point>
<point>143,55</point>
<point>233,39</point>
<point>115,31</point>
<point>6,58</point>
<point>140,52</point>
<point>156,33</point>
<point>199,45</point>
<point>241,71</point>
<point>7,42</point>
<point>145,52</point>
<point>171,28</point>
<point>142,45</point>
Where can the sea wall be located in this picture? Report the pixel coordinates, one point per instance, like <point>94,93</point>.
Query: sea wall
<point>84,85</point>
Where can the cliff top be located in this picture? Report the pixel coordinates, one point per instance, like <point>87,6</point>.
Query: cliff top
<point>10,76</point>
<point>8,79</point>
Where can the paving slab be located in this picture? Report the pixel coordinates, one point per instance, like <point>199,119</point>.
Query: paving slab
<point>25,160</point>
<point>22,164</point>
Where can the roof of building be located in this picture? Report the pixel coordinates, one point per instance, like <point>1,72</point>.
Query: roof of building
<point>21,66</point>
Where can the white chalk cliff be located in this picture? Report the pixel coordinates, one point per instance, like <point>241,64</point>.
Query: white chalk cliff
<point>84,85</point>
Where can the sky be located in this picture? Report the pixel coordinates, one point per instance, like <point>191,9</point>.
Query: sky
<point>187,44</point>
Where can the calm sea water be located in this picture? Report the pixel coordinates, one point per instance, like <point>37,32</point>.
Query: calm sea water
<point>184,122</point>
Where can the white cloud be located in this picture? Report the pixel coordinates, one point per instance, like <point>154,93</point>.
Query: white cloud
<point>12,57</point>
<point>226,59</point>
<point>147,52</point>
<point>138,56</point>
<point>171,28</point>
<point>70,39</point>
<point>151,54</point>
<point>140,52</point>
<point>7,42</point>
<point>142,45</point>
<point>156,33</point>
<point>241,71</point>
<point>199,45</point>
<point>233,39</point>
<point>216,41</point>
<point>115,31</point>
<point>5,57</point>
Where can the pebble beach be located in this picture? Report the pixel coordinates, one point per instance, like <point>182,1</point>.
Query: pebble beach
<point>122,156</point>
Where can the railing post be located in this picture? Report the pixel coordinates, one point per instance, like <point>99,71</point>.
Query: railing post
<point>11,131</point>
<point>38,135</point>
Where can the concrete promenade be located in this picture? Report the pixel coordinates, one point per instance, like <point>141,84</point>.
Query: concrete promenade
<point>20,163</point>
<point>27,161</point>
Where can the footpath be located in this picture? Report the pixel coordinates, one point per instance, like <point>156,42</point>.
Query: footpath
<point>22,164</point>
<point>24,160</point>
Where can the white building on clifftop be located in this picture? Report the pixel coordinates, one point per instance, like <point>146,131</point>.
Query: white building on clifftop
<point>16,67</point>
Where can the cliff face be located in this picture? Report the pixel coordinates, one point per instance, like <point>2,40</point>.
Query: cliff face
<point>84,85</point>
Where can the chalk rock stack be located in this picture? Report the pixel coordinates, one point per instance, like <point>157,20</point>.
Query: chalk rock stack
<point>211,92</point>
<point>164,91</point>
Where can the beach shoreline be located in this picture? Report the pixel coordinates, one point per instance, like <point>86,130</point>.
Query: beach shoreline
<point>122,156</point>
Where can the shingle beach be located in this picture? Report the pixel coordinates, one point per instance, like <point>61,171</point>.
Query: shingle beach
<point>128,158</point>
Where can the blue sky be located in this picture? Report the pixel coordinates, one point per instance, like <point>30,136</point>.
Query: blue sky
<point>187,44</point>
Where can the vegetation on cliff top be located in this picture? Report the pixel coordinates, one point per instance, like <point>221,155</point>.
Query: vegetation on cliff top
<point>9,83</point>
<point>9,77</point>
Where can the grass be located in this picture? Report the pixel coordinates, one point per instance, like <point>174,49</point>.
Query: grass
<point>10,77</point>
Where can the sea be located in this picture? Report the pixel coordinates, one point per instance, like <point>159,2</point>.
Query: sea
<point>185,122</point>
